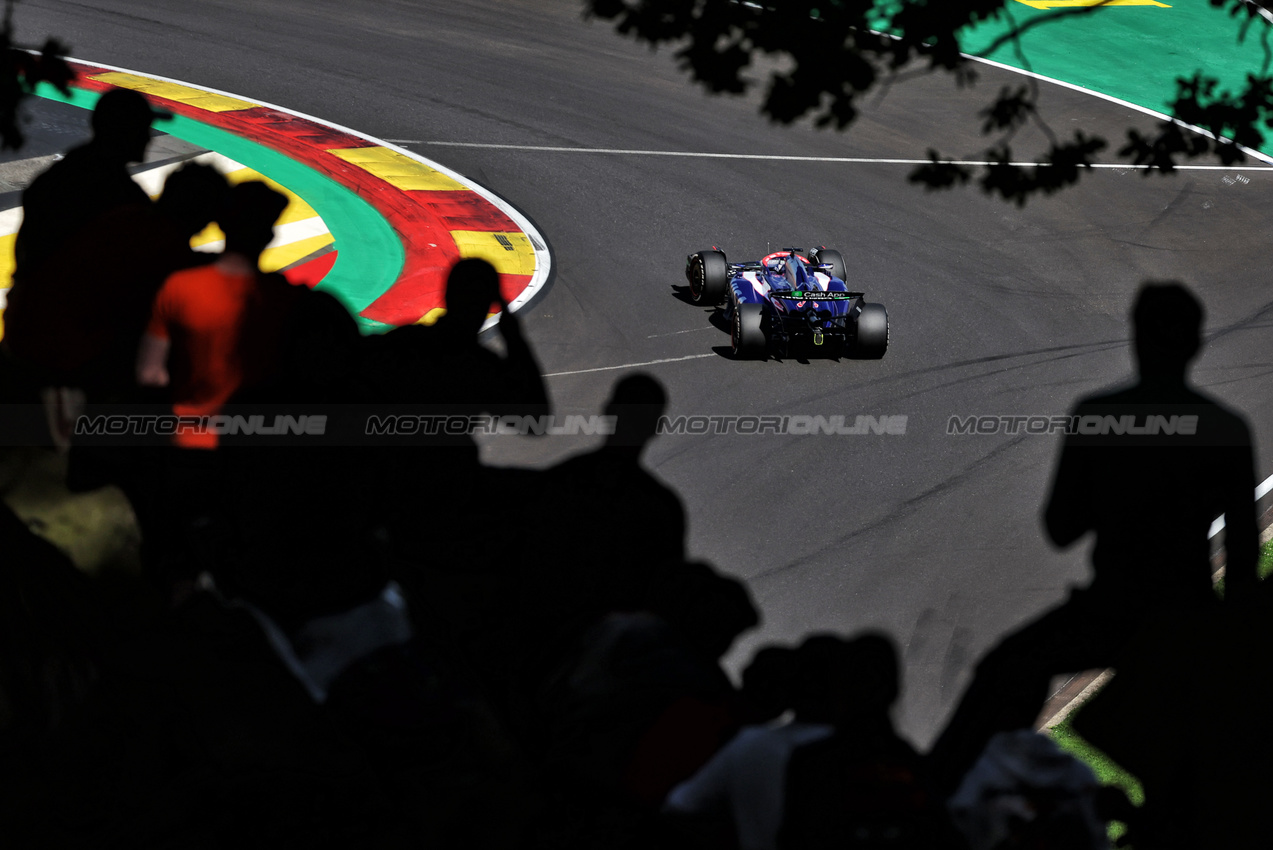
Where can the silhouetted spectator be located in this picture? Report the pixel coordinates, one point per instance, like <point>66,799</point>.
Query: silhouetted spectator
<point>1147,471</point>
<point>1202,756</point>
<point>318,357</point>
<point>444,370</point>
<point>217,328</point>
<point>631,517</point>
<point>214,329</point>
<point>767,681</point>
<point>639,701</point>
<point>746,779</point>
<point>864,786</point>
<point>294,547</point>
<point>77,320</point>
<point>1027,792</point>
<point>88,181</point>
<point>441,754</point>
<point>198,735</point>
<point>52,629</point>
<point>433,488</point>
<point>446,365</point>
<point>709,608</point>
<point>625,522</point>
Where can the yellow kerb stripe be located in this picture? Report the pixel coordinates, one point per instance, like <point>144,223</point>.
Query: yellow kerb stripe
<point>6,260</point>
<point>397,170</point>
<point>173,91</point>
<point>431,317</point>
<point>509,253</point>
<point>1071,4</point>
<point>283,256</point>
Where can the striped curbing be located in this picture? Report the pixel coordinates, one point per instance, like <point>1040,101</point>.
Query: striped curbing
<point>438,216</point>
<point>363,193</point>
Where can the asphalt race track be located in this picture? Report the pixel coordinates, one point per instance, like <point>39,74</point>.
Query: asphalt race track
<point>995,310</point>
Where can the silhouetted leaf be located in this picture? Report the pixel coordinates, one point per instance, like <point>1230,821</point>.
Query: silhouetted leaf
<point>836,52</point>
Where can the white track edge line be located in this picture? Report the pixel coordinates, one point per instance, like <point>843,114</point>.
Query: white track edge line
<point>1162,116</point>
<point>1079,698</point>
<point>1260,492</point>
<point>854,160</point>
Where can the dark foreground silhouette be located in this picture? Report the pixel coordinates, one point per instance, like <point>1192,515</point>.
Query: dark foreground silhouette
<point>1151,556</point>
<point>390,644</point>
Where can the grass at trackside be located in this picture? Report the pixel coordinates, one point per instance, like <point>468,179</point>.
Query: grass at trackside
<point>1106,769</point>
<point>1263,569</point>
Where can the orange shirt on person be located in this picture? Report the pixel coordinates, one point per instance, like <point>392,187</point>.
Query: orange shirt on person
<point>224,331</point>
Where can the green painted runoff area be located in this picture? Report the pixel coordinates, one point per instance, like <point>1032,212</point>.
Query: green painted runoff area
<point>1133,53</point>
<point>370,254</point>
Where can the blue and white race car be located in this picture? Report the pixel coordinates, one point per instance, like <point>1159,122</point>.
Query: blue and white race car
<point>789,303</point>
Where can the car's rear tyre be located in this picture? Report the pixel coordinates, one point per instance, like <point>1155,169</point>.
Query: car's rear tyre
<point>832,258</point>
<point>708,275</point>
<point>747,333</point>
<point>872,337</point>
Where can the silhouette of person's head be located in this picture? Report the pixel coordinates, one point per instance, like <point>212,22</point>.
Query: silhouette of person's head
<point>121,124</point>
<point>471,288</point>
<point>845,681</point>
<point>819,663</point>
<point>1166,329</point>
<point>193,196</point>
<point>709,609</point>
<point>872,668</point>
<point>636,402</point>
<point>321,343</point>
<point>249,216</point>
<point>767,683</point>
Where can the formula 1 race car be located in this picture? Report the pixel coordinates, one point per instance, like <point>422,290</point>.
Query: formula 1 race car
<point>789,303</point>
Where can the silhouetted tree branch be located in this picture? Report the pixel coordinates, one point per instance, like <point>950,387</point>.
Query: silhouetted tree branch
<point>23,70</point>
<point>832,52</point>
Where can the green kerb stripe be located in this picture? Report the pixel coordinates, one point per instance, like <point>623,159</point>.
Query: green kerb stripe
<point>370,254</point>
<point>1134,53</point>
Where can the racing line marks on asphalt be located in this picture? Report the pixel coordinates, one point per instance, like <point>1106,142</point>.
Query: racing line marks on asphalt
<point>678,333</point>
<point>630,365</point>
<point>786,158</point>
